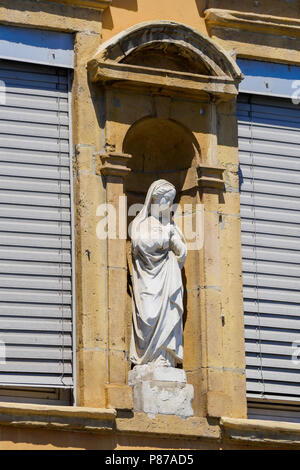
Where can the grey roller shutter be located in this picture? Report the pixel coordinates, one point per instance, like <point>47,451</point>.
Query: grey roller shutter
<point>35,227</point>
<point>269,154</point>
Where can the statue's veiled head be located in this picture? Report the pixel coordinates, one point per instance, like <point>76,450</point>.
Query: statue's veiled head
<point>158,203</point>
<point>163,195</point>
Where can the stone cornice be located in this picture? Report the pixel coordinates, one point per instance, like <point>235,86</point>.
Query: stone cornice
<point>95,4</point>
<point>62,418</point>
<point>248,432</point>
<point>114,164</point>
<point>224,87</point>
<point>252,431</point>
<point>251,22</point>
<point>210,177</point>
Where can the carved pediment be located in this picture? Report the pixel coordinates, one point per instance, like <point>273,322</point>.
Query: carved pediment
<point>167,55</point>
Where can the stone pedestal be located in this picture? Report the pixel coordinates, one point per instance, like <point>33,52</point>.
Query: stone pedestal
<point>161,390</point>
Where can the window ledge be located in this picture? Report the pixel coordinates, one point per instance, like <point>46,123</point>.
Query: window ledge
<point>68,418</point>
<point>268,24</point>
<point>252,431</point>
<point>96,420</point>
<point>64,418</point>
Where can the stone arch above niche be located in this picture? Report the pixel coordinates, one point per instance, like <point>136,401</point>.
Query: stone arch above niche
<point>166,55</point>
<point>143,53</point>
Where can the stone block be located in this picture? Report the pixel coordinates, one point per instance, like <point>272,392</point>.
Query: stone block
<point>119,397</point>
<point>161,390</point>
<point>91,376</point>
<point>117,366</point>
<point>84,157</point>
<point>162,374</point>
<point>218,404</point>
<point>167,398</point>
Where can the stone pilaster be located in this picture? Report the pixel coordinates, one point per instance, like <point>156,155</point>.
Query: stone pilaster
<point>113,167</point>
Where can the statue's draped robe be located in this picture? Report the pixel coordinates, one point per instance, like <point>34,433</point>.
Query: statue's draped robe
<point>157,294</point>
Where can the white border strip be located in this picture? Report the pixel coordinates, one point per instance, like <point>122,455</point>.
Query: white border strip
<point>37,46</point>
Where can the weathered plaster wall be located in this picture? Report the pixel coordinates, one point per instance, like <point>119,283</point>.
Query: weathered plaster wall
<point>50,15</point>
<point>218,333</point>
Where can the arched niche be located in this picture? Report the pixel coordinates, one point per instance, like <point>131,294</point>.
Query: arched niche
<point>157,89</point>
<point>165,148</point>
<point>160,148</point>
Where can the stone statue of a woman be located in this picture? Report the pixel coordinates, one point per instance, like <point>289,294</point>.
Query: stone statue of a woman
<point>158,254</point>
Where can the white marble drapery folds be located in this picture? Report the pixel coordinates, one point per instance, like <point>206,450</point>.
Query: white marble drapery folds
<point>158,254</point>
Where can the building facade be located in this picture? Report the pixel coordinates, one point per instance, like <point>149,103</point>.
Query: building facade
<point>98,99</point>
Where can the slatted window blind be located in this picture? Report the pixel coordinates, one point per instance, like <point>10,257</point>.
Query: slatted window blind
<point>35,227</point>
<point>269,154</point>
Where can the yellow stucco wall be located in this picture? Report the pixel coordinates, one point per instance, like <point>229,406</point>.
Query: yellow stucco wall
<point>215,321</point>
<point>125,13</point>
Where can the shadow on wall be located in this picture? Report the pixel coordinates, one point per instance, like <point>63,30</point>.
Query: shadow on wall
<point>125,4</point>
<point>202,5</point>
<point>156,157</point>
<point>107,20</point>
